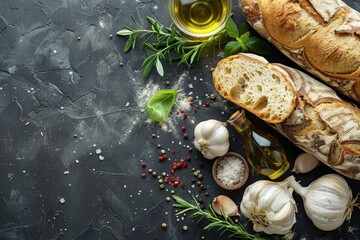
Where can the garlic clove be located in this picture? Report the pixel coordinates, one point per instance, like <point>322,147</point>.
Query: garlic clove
<point>223,205</point>
<point>305,162</point>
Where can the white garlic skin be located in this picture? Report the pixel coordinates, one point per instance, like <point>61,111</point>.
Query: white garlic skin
<point>211,138</point>
<point>223,205</point>
<point>327,201</point>
<point>305,163</point>
<point>274,201</point>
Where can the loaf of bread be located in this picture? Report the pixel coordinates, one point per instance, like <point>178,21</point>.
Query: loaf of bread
<point>304,110</point>
<point>321,36</point>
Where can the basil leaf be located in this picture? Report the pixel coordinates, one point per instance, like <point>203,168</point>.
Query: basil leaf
<point>232,48</point>
<point>258,46</point>
<point>160,104</point>
<point>245,37</point>
<point>231,29</point>
<point>243,29</point>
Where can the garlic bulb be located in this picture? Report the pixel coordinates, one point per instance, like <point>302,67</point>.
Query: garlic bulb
<point>327,200</point>
<point>211,138</point>
<point>270,206</point>
<point>305,162</point>
<point>223,205</point>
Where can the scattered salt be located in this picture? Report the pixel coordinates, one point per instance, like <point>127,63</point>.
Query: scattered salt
<point>62,200</point>
<point>98,151</point>
<point>230,170</point>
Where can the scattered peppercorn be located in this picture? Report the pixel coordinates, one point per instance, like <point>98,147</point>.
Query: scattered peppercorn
<point>153,135</point>
<point>185,228</point>
<point>186,136</point>
<point>143,175</point>
<point>183,128</point>
<point>160,181</point>
<point>150,170</point>
<point>154,174</point>
<point>143,164</point>
<point>172,192</point>
<point>212,96</point>
<point>163,225</point>
<point>161,186</point>
<point>168,199</point>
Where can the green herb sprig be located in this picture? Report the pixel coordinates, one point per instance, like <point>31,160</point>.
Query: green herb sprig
<point>243,41</point>
<point>222,223</point>
<point>166,43</point>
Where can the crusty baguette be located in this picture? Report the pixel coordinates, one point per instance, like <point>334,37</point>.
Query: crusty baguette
<point>236,84</point>
<point>322,36</point>
<point>319,123</point>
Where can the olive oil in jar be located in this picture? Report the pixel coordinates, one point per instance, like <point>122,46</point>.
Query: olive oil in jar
<point>264,152</point>
<point>200,18</point>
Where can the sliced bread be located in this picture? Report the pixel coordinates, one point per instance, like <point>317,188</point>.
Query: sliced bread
<point>254,84</point>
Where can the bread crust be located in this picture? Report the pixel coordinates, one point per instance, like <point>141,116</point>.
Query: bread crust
<point>323,37</point>
<point>324,125</point>
<point>320,122</point>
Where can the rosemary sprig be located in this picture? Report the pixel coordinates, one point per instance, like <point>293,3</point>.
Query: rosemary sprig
<point>166,43</point>
<point>222,223</point>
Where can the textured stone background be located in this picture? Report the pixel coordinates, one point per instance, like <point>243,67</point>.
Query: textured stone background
<point>67,90</point>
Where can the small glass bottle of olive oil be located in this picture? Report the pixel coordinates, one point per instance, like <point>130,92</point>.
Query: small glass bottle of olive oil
<point>264,152</point>
<point>200,18</point>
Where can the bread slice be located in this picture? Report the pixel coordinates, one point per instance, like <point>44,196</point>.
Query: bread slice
<point>254,84</point>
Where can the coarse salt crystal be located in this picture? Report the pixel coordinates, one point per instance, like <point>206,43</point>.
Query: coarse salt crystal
<point>230,170</point>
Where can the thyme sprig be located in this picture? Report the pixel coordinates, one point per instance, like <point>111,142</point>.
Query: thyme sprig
<point>222,223</point>
<point>166,43</point>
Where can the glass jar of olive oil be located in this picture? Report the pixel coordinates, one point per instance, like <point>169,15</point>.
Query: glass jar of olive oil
<point>200,18</point>
<point>264,152</point>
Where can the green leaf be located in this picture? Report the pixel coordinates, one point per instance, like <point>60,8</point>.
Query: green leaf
<point>124,32</point>
<point>243,29</point>
<point>159,67</point>
<point>148,64</point>
<point>149,46</point>
<point>231,29</point>
<point>258,46</point>
<point>244,38</point>
<point>151,20</point>
<point>242,45</point>
<point>160,104</point>
<point>130,43</point>
<point>232,48</point>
